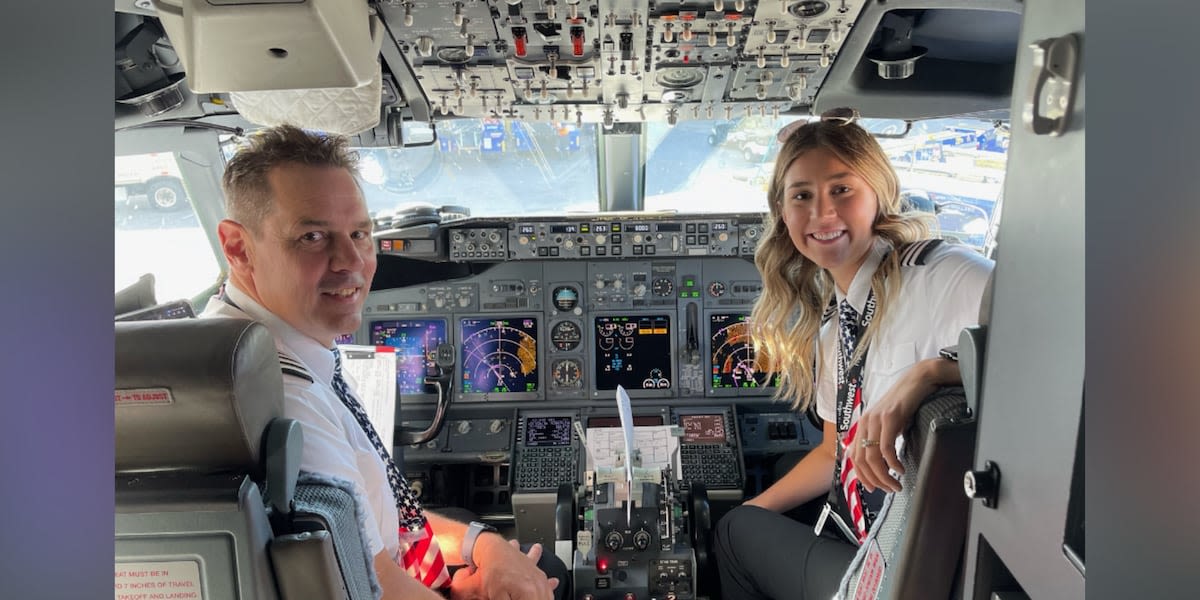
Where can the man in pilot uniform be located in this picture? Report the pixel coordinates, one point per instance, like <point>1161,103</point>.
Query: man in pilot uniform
<point>301,258</point>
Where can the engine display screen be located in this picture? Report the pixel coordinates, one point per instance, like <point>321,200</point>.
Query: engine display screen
<point>547,431</point>
<point>416,342</point>
<point>499,356</point>
<point>633,352</point>
<point>703,429</point>
<point>733,364</point>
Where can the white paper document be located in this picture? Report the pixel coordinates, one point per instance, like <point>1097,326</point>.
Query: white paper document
<point>371,373</point>
<point>656,443</point>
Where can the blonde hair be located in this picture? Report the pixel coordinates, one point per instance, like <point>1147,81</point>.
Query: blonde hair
<point>248,193</point>
<point>786,320</point>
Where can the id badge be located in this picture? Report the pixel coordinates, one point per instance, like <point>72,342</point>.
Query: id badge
<point>828,512</point>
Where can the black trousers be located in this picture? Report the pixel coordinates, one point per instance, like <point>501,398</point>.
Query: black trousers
<point>553,566</point>
<point>764,555</point>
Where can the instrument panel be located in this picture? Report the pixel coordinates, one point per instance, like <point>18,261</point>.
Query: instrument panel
<point>681,340</point>
<point>570,308</point>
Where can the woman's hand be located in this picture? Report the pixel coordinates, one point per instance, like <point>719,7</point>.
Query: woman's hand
<point>884,421</point>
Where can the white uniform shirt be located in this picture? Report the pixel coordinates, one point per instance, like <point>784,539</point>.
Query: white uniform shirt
<point>334,443</point>
<point>934,302</point>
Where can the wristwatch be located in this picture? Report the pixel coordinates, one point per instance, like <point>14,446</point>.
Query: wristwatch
<point>468,541</point>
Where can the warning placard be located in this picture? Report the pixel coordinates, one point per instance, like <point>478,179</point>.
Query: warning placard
<point>872,573</point>
<point>178,580</point>
<point>143,396</point>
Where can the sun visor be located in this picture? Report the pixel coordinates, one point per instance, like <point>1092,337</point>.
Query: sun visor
<point>255,45</point>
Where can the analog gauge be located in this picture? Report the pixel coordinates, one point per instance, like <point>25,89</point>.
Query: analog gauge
<point>662,287</point>
<point>566,373</point>
<point>566,335</point>
<point>716,289</point>
<point>565,298</point>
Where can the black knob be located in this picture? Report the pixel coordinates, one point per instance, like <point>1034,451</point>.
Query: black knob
<point>641,539</point>
<point>983,484</point>
<point>613,540</point>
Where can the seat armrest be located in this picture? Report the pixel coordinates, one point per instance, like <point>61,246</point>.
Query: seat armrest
<point>306,567</point>
<point>971,349</point>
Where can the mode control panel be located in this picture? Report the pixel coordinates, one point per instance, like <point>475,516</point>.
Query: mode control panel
<point>623,238</point>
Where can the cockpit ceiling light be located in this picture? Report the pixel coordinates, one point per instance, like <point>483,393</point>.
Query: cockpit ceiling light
<point>675,96</point>
<point>891,65</point>
<point>158,101</point>
<point>679,78</point>
<point>453,55</point>
<point>808,8</point>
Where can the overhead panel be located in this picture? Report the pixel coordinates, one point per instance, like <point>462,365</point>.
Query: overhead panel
<point>612,61</point>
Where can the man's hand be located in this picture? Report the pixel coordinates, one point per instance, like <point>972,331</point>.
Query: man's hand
<point>504,573</point>
<point>886,419</point>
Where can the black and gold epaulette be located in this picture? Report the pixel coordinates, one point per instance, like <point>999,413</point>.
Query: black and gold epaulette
<point>291,366</point>
<point>915,253</point>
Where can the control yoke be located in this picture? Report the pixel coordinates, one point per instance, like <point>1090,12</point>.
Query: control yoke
<point>444,358</point>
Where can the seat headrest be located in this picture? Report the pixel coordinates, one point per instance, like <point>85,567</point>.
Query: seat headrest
<point>194,395</point>
<point>985,302</point>
<point>139,295</point>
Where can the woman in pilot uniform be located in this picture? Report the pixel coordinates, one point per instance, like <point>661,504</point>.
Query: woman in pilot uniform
<point>856,305</point>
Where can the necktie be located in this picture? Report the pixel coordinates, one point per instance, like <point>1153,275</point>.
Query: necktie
<point>421,556</point>
<point>849,398</point>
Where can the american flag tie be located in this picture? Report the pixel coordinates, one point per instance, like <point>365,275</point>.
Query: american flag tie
<point>420,554</point>
<point>849,382</point>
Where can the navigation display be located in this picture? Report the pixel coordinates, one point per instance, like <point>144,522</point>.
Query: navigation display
<point>499,356</point>
<point>733,364</point>
<point>703,429</point>
<point>633,352</point>
<point>416,342</point>
<point>547,431</point>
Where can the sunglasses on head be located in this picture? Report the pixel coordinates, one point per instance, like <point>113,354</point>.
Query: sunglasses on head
<point>838,116</point>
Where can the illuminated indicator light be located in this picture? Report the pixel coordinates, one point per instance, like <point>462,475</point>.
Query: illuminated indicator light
<point>519,41</point>
<point>602,565</point>
<point>385,245</point>
<point>577,43</point>
<point>689,282</point>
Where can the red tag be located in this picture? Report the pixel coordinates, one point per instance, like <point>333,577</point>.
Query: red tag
<point>871,575</point>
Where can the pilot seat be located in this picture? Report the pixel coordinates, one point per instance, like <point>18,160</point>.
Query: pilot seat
<point>209,497</point>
